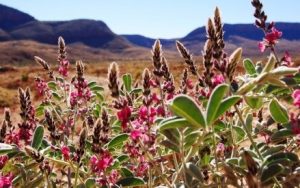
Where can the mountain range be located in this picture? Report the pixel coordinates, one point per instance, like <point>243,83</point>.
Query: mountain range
<point>22,36</point>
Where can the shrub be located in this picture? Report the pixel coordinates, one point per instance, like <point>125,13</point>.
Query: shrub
<point>219,128</point>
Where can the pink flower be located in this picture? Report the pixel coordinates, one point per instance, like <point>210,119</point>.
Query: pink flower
<point>160,111</point>
<point>73,98</point>
<point>147,114</point>
<point>135,134</point>
<point>142,168</point>
<point>132,150</point>
<point>101,163</point>
<point>13,138</point>
<point>273,36</point>
<point>286,60</point>
<point>189,84</point>
<point>296,97</point>
<point>113,177</point>
<point>3,160</point>
<point>63,67</point>
<point>24,134</point>
<point>295,124</point>
<point>155,98</point>
<point>220,149</point>
<point>270,39</point>
<point>170,96</point>
<point>261,46</point>
<point>217,79</point>
<point>41,86</point>
<point>6,181</point>
<point>65,150</point>
<point>153,83</point>
<point>124,116</point>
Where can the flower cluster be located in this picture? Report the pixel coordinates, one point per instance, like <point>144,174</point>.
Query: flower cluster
<point>6,181</point>
<point>271,38</point>
<point>220,126</point>
<point>82,92</point>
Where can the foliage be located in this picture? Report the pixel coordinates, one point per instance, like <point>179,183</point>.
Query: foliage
<point>219,128</point>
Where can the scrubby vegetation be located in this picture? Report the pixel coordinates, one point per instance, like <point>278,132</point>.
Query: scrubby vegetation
<point>217,127</point>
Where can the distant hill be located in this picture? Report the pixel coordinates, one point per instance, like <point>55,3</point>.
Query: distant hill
<point>11,18</point>
<point>19,31</point>
<point>16,25</point>
<point>243,35</point>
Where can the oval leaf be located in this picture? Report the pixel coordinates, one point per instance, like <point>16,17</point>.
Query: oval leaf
<point>37,137</point>
<point>271,171</point>
<point>278,112</point>
<point>5,148</point>
<point>214,102</point>
<point>281,135</point>
<point>184,106</point>
<point>97,88</point>
<point>255,102</point>
<point>90,183</point>
<point>249,67</point>
<point>117,141</point>
<point>127,80</point>
<point>226,104</point>
<point>172,123</point>
<point>131,181</point>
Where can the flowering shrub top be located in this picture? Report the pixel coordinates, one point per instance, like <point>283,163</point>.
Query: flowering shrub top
<point>219,128</point>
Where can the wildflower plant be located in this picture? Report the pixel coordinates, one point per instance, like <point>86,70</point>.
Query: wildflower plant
<point>219,128</point>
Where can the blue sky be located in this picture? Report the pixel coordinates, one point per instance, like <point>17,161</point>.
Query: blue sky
<point>155,18</point>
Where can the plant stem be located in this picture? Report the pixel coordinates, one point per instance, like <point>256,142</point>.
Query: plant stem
<point>249,135</point>
<point>252,141</point>
<point>182,155</point>
<point>192,151</point>
<point>76,176</point>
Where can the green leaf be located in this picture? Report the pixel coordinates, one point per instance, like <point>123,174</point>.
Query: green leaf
<point>126,172</point>
<point>92,84</point>
<point>122,158</point>
<point>270,64</point>
<point>184,106</point>
<point>282,134</point>
<point>225,105</point>
<point>39,111</point>
<point>170,145</point>
<point>52,85</point>
<point>97,88</point>
<point>6,148</point>
<point>283,155</point>
<point>172,134</point>
<point>117,141</point>
<point>127,80</point>
<point>37,137</point>
<point>190,139</point>
<point>131,181</point>
<point>284,71</point>
<point>214,102</point>
<point>278,112</point>
<point>56,96</point>
<point>249,120</point>
<point>249,67</point>
<point>90,183</point>
<point>254,102</point>
<point>273,150</point>
<point>172,123</point>
<point>271,171</point>
<point>239,132</point>
<point>136,91</point>
<point>99,96</point>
